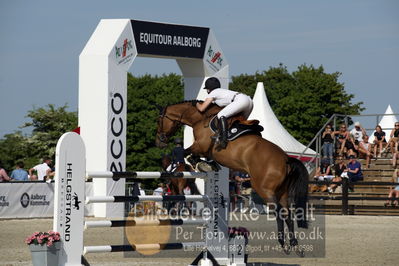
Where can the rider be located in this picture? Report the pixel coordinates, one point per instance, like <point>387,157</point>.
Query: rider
<point>233,103</point>
<point>178,155</point>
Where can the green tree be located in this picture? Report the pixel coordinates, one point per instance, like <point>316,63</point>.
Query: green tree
<point>13,148</point>
<point>144,95</point>
<point>48,124</point>
<point>302,100</point>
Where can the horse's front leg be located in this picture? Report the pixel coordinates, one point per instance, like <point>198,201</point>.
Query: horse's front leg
<point>193,154</point>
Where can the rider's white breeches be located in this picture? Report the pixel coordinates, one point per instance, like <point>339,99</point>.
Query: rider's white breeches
<point>241,104</point>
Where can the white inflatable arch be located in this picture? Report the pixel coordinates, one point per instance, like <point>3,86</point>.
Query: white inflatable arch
<point>103,66</point>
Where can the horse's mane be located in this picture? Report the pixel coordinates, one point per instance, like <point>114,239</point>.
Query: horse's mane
<point>186,101</point>
<point>211,110</point>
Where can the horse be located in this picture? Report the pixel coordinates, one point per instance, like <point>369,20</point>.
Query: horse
<point>279,180</point>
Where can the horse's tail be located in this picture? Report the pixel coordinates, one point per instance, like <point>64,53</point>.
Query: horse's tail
<point>298,178</point>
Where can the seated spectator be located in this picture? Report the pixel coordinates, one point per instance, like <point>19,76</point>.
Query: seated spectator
<point>323,172</point>
<point>365,150</point>
<point>354,171</point>
<point>352,148</point>
<point>327,139</point>
<point>42,170</point>
<point>395,157</point>
<point>339,169</point>
<point>3,174</point>
<point>343,136</point>
<point>19,174</point>
<point>379,140</point>
<point>393,142</point>
<point>394,192</point>
<point>357,133</point>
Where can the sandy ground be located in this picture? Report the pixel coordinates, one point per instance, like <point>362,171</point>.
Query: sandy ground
<point>350,240</point>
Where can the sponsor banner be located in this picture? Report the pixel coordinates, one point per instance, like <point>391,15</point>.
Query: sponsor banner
<point>172,40</point>
<point>214,58</point>
<point>31,200</point>
<point>124,51</point>
<point>26,200</point>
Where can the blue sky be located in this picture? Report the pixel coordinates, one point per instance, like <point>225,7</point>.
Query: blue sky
<point>40,42</point>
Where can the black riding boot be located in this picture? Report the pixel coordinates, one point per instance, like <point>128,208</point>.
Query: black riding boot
<point>223,132</point>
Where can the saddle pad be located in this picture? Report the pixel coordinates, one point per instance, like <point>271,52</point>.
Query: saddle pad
<point>237,129</point>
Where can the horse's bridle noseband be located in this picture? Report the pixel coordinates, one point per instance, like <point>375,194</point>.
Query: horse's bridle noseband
<point>162,136</point>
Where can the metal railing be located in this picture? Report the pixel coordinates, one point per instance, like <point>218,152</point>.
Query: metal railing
<point>334,120</point>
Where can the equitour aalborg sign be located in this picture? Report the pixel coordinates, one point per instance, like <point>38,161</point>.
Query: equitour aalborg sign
<point>169,39</point>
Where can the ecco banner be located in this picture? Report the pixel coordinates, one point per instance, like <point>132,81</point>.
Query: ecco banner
<point>169,39</point>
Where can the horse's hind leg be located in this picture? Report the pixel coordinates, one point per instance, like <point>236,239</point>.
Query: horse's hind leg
<point>290,225</point>
<point>280,225</point>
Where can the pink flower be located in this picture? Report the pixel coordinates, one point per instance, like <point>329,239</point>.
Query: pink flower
<point>47,238</point>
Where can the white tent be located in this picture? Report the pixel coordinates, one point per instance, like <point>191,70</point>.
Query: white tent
<point>387,123</point>
<point>273,130</point>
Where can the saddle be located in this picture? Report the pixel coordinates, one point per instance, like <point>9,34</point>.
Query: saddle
<point>237,126</point>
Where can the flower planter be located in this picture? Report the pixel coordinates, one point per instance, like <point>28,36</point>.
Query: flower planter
<point>43,255</point>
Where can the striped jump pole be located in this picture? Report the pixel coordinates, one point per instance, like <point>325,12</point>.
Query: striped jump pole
<point>144,222</point>
<point>141,247</point>
<point>144,175</point>
<point>101,199</point>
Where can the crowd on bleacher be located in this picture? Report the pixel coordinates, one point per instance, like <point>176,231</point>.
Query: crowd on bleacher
<point>342,144</point>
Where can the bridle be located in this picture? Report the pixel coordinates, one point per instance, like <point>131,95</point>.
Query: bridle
<point>163,137</point>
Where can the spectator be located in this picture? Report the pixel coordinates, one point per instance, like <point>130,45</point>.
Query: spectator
<point>328,140</point>
<point>394,139</point>
<point>233,190</point>
<point>365,150</point>
<point>394,193</point>
<point>159,191</point>
<point>177,163</point>
<point>42,170</point>
<point>243,187</point>
<point>50,175</point>
<point>323,173</point>
<point>343,138</point>
<point>354,171</point>
<point>379,139</point>
<point>395,156</point>
<point>19,174</point>
<point>352,148</point>
<point>357,133</point>
<point>3,174</point>
<point>339,169</point>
